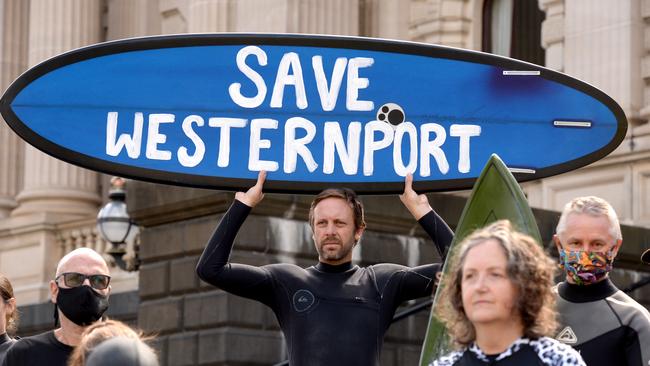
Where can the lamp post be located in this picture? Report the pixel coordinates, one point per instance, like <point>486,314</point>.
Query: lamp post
<point>115,225</point>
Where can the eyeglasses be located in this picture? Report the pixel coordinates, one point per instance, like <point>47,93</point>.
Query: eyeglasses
<point>74,279</point>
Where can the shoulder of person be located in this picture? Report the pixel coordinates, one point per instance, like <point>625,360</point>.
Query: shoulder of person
<point>449,359</point>
<point>629,311</point>
<point>26,342</point>
<point>555,353</point>
<point>387,268</point>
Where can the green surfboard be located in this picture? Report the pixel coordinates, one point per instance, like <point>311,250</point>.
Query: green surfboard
<point>496,195</point>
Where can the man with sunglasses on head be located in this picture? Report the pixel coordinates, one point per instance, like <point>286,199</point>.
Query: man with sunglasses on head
<point>79,291</point>
<point>332,313</point>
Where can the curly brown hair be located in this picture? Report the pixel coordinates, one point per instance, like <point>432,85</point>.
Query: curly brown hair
<point>97,333</point>
<point>529,268</point>
<point>7,295</point>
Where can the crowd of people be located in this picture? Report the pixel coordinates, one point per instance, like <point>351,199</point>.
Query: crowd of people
<point>499,301</point>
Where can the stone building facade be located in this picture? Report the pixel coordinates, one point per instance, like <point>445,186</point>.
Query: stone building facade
<point>48,207</point>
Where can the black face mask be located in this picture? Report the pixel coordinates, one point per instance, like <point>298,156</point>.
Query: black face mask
<point>82,305</point>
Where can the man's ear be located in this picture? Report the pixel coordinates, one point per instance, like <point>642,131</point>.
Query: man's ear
<point>358,232</point>
<point>616,247</point>
<point>558,244</point>
<point>54,291</point>
<point>11,305</point>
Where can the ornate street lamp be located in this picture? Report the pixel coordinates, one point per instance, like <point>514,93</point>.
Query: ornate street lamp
<point>115,225</point>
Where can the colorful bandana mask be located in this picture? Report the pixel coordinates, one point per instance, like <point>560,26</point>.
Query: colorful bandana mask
<point>586,268</point>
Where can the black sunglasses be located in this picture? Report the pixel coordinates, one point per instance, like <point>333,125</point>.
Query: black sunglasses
<point>74,279</point>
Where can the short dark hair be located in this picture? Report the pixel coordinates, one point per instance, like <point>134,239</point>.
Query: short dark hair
<point>345,194</point>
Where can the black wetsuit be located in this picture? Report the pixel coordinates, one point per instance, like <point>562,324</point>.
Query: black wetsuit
<point>5,343</point>
<point>330,315</point>
<point>605,325</point>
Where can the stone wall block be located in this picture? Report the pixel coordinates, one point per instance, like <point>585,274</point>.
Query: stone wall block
<point>154,279</point>
<point>552,30</point>
<point>412,328</point>
<point>182,349</point>
<point>233,346</point>
<point>161,242</point>
<point>408,355</point>
<point>380,247</point>
<point>254,234</point>
<point>182,274</point>
<point>218,308</point>
<point>160,345</point>
<point>161,316</point>
<point>198,232</point>
<point>388,354</point>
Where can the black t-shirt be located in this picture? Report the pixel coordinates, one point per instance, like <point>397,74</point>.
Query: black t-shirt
<point>41,349</point>
<point>330,315</point>
<point>5,343</point>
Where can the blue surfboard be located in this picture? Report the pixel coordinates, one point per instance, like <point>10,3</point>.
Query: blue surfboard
<point>211,110</point>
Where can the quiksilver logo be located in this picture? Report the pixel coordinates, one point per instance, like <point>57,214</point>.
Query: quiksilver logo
<point>303,300</point>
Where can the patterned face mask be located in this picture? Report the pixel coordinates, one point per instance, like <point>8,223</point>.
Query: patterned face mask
<point>584,267</point>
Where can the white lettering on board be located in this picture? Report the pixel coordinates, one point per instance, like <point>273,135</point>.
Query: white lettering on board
<point>294,147</point>
<point>155,138</point>
<point>257,143</point>
<point>235,88</point>
<point>328,96</point>
<point>283,78</point>
<point>333,141</point>
<point>290,73</point>
<point>464,132</point>
<point>184,157</point>
<point>223,160</point>
<point>420,144</point>
<point>132,144</point>
<point>355,83</point>
<point>429,148</point>
<point>371,145</point>
<point>398,162</point>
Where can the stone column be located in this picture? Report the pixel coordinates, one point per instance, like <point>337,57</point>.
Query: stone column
<point>297,16</point>
<point>51,185</point>
<point>208,16</point>
<point>553,33</point>
<point>324,17</point>
<point>128,18</point>
<point>386,18</point>
<point>445,22</point>
<point>13,60</point>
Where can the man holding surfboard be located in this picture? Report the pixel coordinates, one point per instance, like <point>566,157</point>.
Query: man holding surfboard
<point>603,323</point>
<point>332,313</point>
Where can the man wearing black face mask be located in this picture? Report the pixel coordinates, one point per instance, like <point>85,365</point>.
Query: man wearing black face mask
<point>80,292</point>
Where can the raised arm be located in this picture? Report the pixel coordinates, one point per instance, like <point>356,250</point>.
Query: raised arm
<point>418,205</point>
<point>214,268</point>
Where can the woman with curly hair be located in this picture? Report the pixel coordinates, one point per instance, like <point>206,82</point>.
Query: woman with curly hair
<point>497,302</point>
<point>8,315</point>
<point>98,333</point>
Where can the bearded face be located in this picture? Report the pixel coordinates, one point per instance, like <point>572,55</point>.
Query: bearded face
<point>334,231</point>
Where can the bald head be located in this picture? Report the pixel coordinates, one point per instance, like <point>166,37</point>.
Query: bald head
<point>82,260</point>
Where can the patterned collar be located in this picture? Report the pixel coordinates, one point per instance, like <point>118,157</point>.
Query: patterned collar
<point>513,348</point>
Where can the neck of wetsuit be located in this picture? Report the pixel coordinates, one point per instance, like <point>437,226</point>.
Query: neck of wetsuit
<point>329,268</point>
<point>595,292</point>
